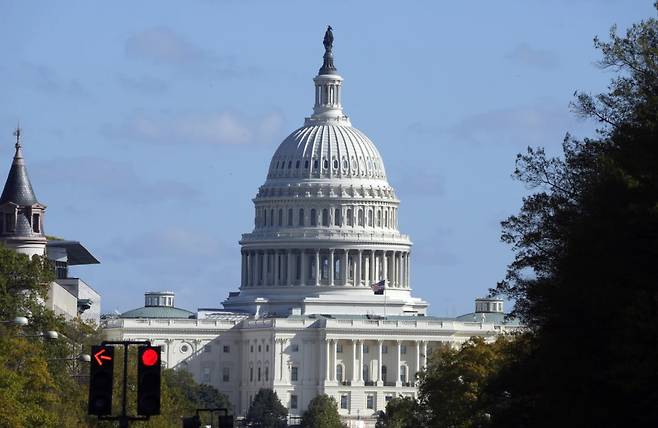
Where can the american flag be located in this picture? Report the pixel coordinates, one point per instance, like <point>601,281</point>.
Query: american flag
<point>378,287</point>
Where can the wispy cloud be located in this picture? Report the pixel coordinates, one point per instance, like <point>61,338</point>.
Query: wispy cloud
<point>210,128</point>
<point>146,84</point>
<point>111,180</point>
<point>163,46</point>
<point>417,182</point>
<point>543,123</point>
<point>45,79</point>
<point>533,57</point>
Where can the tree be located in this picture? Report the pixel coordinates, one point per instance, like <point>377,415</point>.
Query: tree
<point>267,411</point>
<point>322,412</point>
<point>585,272</point>
<point>401,412</point>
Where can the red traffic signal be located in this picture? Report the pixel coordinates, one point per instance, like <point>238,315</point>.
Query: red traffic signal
<point>150,357</point>
<point>148,380</point>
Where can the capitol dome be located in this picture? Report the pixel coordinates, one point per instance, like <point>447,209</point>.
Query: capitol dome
<point>326,222</point>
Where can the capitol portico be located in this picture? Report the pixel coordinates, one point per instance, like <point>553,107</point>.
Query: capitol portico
<point>305,320</point>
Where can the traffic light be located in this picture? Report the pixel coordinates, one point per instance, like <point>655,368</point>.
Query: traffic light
<point>148,380</point>
<point>192,422</point>
<point>100,380</point>
<point>225,421</point>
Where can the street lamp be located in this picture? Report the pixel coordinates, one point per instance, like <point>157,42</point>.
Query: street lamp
<point>50,335</point>
<point>18,321</point>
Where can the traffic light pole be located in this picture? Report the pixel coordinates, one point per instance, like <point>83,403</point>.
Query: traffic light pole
<point>124,419</point>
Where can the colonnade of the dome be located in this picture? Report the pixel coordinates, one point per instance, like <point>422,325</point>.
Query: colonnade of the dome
<point>325,267</point>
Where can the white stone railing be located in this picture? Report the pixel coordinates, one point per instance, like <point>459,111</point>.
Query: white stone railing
<point>326,234</point>
<point>171,323</point>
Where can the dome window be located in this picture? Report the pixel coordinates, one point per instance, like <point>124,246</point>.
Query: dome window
<point>335,164</point>
<point>326,164</point>
<point>315,164</point>
<point>314,218</point>
<point>272,217</point>
<point>297,165</point>
<point>289,164</point>
<point>280,217</point>
<point>277,165</point>
<point>350,220</point>
<point>306,164</point>
<point>301,216</point>
<point>345,164</point>
<point>325,217</point>
<point>337,217</point>
<point>289,216</point>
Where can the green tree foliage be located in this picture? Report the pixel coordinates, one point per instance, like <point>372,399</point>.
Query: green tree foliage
<point>585,272</point>
<point>401,412</point>
<point>266,410</point>
<point>322,412</point>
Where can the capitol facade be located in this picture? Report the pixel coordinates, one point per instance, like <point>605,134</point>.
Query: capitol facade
<point>306,320</point>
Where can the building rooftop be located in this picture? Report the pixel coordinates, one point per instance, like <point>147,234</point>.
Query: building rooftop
<point>158,312</point>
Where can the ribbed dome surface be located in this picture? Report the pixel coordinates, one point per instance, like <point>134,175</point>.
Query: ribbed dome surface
<point>327,151</point>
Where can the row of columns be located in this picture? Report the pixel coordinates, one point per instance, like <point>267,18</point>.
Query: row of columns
<point>327,267</point>
<point>347,216</point>
<point>358,360</point>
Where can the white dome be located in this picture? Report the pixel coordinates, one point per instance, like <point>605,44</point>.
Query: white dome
<point>327,151</point>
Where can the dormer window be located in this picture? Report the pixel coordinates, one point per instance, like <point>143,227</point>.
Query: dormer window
<point>36,223</point>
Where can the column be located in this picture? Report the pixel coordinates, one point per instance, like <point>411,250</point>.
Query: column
<point>373,275</point>
<point>424,351</point>
<point>276,267</point>
<point>331,267</point>
<point>345,267</point>
<point>396,268</point>
<point>355,363</point>
<point>304,268</point>
<point>417,365</point>
<point>409,269</point>
<point>403,269</point>
<point>385,266</point>
<point>242,275</point>
<point>357,269</point>
<point>327,354</point>
<point>289,277</point>
<point>317,267</point>
<point>378,378</point>
<point>335,359</point>
<point>260,270</point>
<point>359,367</point>
<point>397,362</point>
<point>248,271</point>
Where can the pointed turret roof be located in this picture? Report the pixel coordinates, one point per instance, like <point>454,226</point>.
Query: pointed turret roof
<point>18,188</point>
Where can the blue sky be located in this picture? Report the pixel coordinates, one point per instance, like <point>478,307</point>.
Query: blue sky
<point>148,126</point>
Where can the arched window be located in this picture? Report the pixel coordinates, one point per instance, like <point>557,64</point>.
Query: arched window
<point>337,217</point>
<point>325,217</point>
<point>360,216</point>
<point>325,164</point>
<point>272,217</point>
<point>403,374</point>
<point>350,220</point>
<point>339,372</point>
<point>297,164</point>
<point>370,218</point>
<point>315,164</point>
<point>267,373</point>
<point>289,216</point>
<point>280,217</point>
<point>366,373</point>
<point>289,164</point>
<point>301,216</point>
<point>258,374</point>
<point>306,164</point>
<point>251,374</point>
<point>379,218</point>
<point>264,217</point>
<point>384,373</point>
<point>314,217</point>
<point>335,164</point>
<point>385,218</point>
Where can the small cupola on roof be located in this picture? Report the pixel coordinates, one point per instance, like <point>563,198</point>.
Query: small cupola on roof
<point>159,298</point>
<point>158,304</point>
<point>488,305</point>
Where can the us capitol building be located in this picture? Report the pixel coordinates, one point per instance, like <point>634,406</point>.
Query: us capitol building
<point>306,320</point>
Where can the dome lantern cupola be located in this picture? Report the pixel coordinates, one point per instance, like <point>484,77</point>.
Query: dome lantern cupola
<point>328,83</point>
